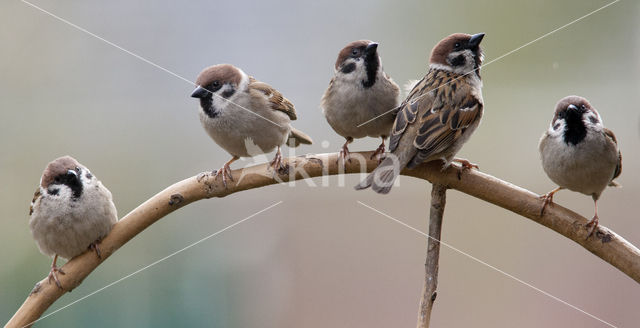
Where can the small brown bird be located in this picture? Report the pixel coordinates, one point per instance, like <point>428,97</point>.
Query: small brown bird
<point>578,153</point>
<point>71,211</point>
<point>360,92</point>
<point>244,116</point>
<point>440,113</point>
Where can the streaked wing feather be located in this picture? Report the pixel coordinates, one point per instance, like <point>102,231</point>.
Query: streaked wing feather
<point>36,195</point>
<point>276,99</point>
<point>612,137</point>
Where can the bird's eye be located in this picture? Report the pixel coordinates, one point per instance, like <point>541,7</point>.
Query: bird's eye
<point>457,45</point>
<point>354,52</point>
<point>216,83</point>
<point>77,169</point>
<point>583,107</point>
<point>57,179</point>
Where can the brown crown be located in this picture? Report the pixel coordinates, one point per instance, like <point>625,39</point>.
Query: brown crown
<point>346,51</point>
<point>57,167</point>
<point>224,73</point>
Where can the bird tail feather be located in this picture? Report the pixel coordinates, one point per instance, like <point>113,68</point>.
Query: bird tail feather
<point>297,137</point>
<point>382,178</point>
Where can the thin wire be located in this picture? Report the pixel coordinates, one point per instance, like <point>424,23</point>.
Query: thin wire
<point>139,57</point>
<point>498,58</point>
<point>154,263</point>
<point>489,265</point>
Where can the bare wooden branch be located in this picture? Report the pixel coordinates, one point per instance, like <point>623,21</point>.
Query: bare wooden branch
<point>436,212</point>
<point>604,244</point>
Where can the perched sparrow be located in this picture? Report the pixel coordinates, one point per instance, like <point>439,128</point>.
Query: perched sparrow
<point>439,114</point>
<point>360,91</point>
<point>578,153</point>
<point>70,212</point>
<point>238,111</point>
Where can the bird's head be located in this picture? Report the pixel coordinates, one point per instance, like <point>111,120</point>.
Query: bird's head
<point>459,53</point>
<point>217,85</point>
<point>65,177</point>
<point>572,118</point>
<point>359,62</point>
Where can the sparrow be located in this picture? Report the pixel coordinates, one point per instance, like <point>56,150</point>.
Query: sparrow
<point>71,212</point>
<point>439,114</point>
<point>359,92</point>
<point>578,153</point>
<point>244,116</point>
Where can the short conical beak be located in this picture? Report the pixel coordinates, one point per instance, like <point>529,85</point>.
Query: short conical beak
<point>199,92</point>
<point>475,40</point>
<point>72,173</point>
<point>572,107</point>
<point>371,48</point>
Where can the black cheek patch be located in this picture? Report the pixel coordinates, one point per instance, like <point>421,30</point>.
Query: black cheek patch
<point>348,68</point>
<point>458,61</point>
<point>556,126</point>
<point>54,191</point>
<point>229,93</point>
<point>594,119</point>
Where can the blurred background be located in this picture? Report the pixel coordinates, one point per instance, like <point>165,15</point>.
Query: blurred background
<point>319,259</point>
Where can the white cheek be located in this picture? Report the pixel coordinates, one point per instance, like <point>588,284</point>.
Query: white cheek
<point>220,102</point>
<point>469,61</point>
<point>556,128</point>
<point>357,74</point>
<point>593,121</point>
<point>64,193</point>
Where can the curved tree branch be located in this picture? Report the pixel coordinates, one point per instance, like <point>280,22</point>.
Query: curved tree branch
<point>605,243</point>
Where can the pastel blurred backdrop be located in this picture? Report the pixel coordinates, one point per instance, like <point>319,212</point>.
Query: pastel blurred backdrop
<point>319,259</point>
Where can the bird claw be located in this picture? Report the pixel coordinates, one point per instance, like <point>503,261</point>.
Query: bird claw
<point>53,276</point>
<point>224,171</point>
<point>592,226</point>
<point>546,200</point>
<point>344,155</point>
<point>379,152</point>
<point>277,165</point>
<point>94,246</point>
<point>464,166</point>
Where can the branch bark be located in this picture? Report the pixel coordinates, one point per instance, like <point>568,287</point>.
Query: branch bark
<point>605,243</point>
<point>436,212</point>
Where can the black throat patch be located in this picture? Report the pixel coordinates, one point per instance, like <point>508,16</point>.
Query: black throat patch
<point>72,182</point>
<point>207,106</point>
<point>574,131</point>
<point>371,64</point>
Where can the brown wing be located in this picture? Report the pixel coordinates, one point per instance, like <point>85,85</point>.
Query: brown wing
<point>612,137</point>
<point>407,111</point>
<point>454,108</point>
<point>36,195</point>
<point>277,101</point>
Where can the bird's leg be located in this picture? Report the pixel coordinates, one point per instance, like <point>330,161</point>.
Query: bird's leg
<point>52,274</point>
<point>465,165</point>
<point>276,164</point>
<point>379,152</point>
<point>94,246</point>
<point>344,152</point>
<point>548,199</point>
<point>225,171</point>
<point>594,222</point>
